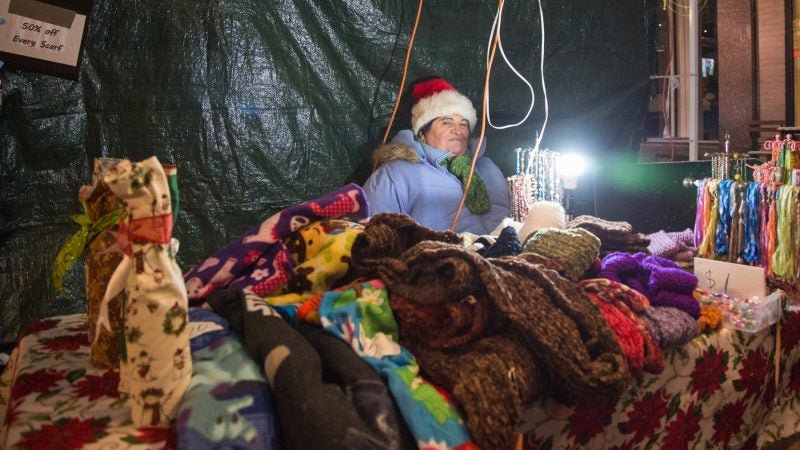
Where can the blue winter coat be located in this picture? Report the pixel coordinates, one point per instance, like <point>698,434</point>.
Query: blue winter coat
<point>411,180</point>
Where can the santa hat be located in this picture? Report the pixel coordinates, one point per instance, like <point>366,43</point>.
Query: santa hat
<point>435,98</point>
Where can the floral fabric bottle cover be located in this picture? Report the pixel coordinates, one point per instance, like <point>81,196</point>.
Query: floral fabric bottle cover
<point>155,366</point>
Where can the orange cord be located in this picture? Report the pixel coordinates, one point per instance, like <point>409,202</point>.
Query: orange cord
<point>483,124</point>
<point>405,72</point>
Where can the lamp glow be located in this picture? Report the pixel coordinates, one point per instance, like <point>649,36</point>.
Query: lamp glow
<point>571,166</point>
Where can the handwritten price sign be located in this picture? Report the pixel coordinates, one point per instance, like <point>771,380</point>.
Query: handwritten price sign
<point>736,280</point>
<point>32,30</point>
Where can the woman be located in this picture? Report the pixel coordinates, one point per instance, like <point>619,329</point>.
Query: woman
<point>423,170</point>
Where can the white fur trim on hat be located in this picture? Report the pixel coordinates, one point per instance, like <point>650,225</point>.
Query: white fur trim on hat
<point>440,104</point>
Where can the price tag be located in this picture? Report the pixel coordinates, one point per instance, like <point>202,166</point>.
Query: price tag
<point>34,32</point>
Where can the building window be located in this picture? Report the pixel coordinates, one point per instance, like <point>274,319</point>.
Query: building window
<point>668,113</point>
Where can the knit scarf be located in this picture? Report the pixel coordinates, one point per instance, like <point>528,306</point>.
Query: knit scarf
<point>477,196</point>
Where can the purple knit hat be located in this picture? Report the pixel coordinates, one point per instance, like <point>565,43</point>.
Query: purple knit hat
<point>626,269</point>
<point>661,280</point>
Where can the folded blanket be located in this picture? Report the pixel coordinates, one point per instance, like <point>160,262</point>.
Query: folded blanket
<point>361,316</point>
<point>311,410</point>
<point>258,260</point>
<point>228,403</point>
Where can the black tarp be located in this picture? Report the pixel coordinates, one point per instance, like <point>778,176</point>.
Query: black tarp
<point>264,104</point>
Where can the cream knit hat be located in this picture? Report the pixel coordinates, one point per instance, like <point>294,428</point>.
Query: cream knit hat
<point>543,214</point>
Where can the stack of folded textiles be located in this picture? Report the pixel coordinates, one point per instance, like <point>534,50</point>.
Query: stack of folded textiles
<point>615,236</point>
<point>677,246</point>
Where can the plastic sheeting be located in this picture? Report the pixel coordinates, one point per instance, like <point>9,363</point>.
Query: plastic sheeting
<point>264,104</point>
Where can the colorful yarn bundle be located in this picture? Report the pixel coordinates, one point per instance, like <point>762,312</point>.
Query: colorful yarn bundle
<point>753,223</point>
<point>628,335</point>
<point>631,303</point>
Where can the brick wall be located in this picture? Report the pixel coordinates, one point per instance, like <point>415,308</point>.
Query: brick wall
<point>736,89</point>
<point>771,70</point>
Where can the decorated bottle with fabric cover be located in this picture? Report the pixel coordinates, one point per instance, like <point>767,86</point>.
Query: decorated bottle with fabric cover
<point>155,367</point>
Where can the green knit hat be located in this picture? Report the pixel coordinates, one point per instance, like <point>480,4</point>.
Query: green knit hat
<point>576,247</point>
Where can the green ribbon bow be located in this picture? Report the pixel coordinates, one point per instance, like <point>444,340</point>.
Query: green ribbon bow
<point>477,200</point>
<point>74,246</point>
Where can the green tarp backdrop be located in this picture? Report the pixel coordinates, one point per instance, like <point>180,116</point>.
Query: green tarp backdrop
<point>263,104</point>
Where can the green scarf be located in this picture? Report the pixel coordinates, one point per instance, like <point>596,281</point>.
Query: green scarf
<point>477,197</point>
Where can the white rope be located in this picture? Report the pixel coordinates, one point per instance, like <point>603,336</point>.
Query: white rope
<point>540,133</point>
<point>496,24</point>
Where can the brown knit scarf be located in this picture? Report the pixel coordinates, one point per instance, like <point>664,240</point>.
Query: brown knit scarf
<point>526,320</point>
<point>492,379</point>
<point>386,236</point>
<point>442,325</point>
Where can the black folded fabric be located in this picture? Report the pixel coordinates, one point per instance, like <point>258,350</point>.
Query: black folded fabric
<point>363,386</point>
<point>312,414</point>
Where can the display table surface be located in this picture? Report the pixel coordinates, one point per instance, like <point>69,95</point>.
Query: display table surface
<point>718,391</point>
<point>51,396</point>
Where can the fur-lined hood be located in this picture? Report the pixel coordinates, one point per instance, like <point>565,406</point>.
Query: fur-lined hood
<point>391,151</point>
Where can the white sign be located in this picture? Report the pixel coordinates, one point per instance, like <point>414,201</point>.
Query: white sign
<point>32,37</point>
<point>736,280</point>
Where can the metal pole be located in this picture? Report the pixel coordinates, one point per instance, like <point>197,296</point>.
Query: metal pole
<point>693,79</point>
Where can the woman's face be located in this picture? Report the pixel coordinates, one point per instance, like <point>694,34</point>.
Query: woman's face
<point>449,133</point>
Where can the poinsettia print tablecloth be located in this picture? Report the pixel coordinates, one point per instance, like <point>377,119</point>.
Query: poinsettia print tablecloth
<point>718,391</point>
<point>52,397</point>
